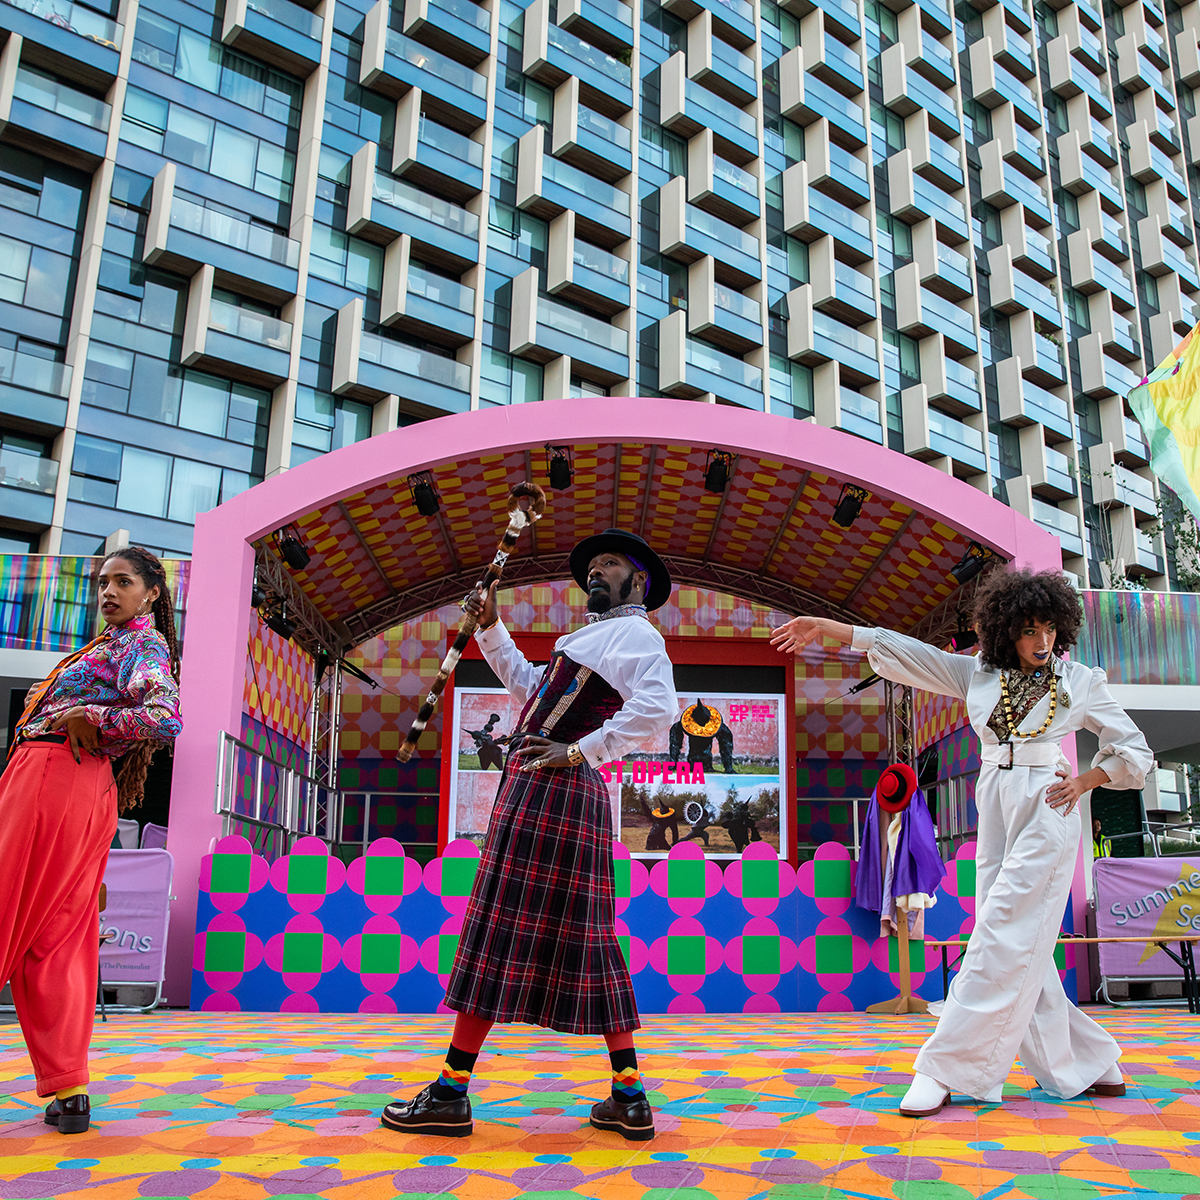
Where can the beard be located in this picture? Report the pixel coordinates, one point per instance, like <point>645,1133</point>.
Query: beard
<point>600,598</point>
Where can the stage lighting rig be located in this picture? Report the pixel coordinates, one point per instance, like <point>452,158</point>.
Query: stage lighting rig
<point>717,470</point>
<point>849,505</point>
<point>965,636</point>
<point>291,547</point>
<point>976,558</point>
<point>425,494</point>
<point>276,618</point>
<point>559,467</point>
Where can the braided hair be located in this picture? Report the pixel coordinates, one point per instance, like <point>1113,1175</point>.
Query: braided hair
<point>131,779</point>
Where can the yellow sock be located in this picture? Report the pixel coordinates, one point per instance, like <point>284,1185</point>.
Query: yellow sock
<point>67,1093</point>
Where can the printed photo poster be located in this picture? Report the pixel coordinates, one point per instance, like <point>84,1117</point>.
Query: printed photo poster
<point>483,719</point>
<point>715,779</point>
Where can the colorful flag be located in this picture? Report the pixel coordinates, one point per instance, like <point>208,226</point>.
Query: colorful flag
<point>1167,403</point>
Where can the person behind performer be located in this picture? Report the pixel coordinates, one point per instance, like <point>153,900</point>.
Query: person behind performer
<point>539,942</point>
<point>1101,846</point>
<point>117,697</point>
<point>1022,698</point>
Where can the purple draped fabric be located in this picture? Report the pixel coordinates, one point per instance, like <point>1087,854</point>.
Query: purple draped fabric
<point>918,866</point>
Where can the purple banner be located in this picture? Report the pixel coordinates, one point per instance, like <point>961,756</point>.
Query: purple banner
<point>1145,897</point>
<point>139,891</point>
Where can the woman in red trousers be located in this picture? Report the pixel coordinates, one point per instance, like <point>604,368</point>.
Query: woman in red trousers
<point>115,698</point>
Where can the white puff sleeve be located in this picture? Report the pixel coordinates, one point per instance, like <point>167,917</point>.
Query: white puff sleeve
<point>907,660</point>
<point>1124,755</point>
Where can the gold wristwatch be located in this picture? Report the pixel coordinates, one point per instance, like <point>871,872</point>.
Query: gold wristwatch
<point>574,755</point>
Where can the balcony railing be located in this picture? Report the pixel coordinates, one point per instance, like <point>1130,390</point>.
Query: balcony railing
<point>467,11</point>
<point>34,373</point>
<point>735,176</point>
<point>604,127</point>
<point>249,326</point>
<point>440,290</point>
<point>83,21</point>
<point>420,364</point>
<point>705,223</point>
<point>44,91</point>
<point>439,66</point>
<point>572,323</point>
<point>590,55</point>
<point>860,415</point>
<point>737,303</point>
<point>1063,524</point>
<point>227,230</point>
<point>27,472</point>
<point>302,20</point>
<point>950,436</point>
<point>726,366</point>
<point>583,184</point>
<point>699,96</point>
<point>404,196</point>
<point>601,261</point>
<point>450,141</point>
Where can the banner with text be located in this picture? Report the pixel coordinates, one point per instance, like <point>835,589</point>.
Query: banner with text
<point>1145,897</point>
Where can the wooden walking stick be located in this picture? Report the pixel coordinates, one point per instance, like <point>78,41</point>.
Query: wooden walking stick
<point>526,503</point>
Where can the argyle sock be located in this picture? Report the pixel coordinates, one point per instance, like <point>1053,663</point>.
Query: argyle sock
<point>626,1078</point>
<point>455,1078</point>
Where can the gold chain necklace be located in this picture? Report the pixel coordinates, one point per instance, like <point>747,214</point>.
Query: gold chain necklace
<point>1008,714</point>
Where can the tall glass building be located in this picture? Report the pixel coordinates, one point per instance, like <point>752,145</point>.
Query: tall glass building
<point>236,237</point>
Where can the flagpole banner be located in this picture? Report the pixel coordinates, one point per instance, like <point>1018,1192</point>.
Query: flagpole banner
<point>1145,897</point>
<point>1167,404</point>
<point>135,916</point>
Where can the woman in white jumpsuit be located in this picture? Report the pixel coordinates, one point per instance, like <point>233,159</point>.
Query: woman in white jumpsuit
<point>1022,699</point>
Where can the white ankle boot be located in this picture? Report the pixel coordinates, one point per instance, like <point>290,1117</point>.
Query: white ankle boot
<point>924,1097</point>
<point>1111,1083</point>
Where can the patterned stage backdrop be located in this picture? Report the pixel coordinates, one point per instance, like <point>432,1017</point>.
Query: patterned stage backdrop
<point>308,934</point>
<point>48,602</point>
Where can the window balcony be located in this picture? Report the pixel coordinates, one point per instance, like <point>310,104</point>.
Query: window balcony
<point>392,63</point>
<point>905,91</point>
<point>836,171</point>
<point>589,140</point>
<point>721,314</point>
<point>719,67</point>
<point>839,67</point>
<point>1051,473</point>
<point>1014,51</point>
<point>996,85</point>
<point>840,15</point>
<point>914,198</point>
<point>859,415</point>
<point>276,31</point>
<point>815,337</point>
<point>1122,338</point>
<point>1023,402</point>
<point>552,55</point>
<point>921,312</point>
<point>844,293</point>
<point>1071,77</point>
<point>959,442</point>
<point>1033,252</point>
<point>596,349</point>
<point>1064,525</point>
<point>1082,173</point>
<point>732,20</point>
<point>1178,224</point>
<point>242,344</point>
<point>810,214</point>
<point>804,98</point>
<point>1092,272</point>
<point>1147,162</point>
<point>951,385</point>
<point>939,162</point>
<point>604,23</point>
<point>547,186</point>
<point>1048,361</point>
<point>1100,143</point>
<point>947,272</point>
<point>1116,486</point>
<point>1164,132</point>
<point>1025,152</point>
<point>1160,255</point>
<point>1130,442</point>
<point>1111,240</point>
<point>583,273</point>
<point>936,15</point>
<point>429,155</point>
<point>33,481</point>
<point>34,389</point>
<point>444,233</point>
<point>1102,375</point>
<point>690,368</point>
<point>1147,557</point>
<point>1002,184</point>
<point>51,110</point>
<point>70,33</point>
<point>181,236</point>
<point>935,62</point>
<point>689,108</point>
<point>424,304</point>
<point>687,233</point>
<point>460,28</point>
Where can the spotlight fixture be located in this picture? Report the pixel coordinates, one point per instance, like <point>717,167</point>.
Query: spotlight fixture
<point>425,494</point>
<point>976,558</point>
<point>965,636</point>
<point>849,505</point>
<point>277,620</point>
<point>291,547</point>
<point>717,470</point>
<point>559,467</point>
<point>257,595</point>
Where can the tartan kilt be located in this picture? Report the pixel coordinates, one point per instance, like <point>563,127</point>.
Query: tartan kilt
<point>539,943</point>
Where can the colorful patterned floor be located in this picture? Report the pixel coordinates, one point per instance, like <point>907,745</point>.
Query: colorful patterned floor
<point>245,1106</point>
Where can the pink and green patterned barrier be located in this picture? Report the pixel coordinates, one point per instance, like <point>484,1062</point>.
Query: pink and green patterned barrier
<point>308,934</point>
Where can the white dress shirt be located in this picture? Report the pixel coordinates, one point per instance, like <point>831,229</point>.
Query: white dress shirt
<point>628,653</point>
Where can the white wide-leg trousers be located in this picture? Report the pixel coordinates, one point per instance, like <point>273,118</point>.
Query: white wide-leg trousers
<point>1008,999</point>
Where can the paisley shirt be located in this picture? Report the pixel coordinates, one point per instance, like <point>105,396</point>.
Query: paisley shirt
<point>124,685</point>
<point>1024,691</point>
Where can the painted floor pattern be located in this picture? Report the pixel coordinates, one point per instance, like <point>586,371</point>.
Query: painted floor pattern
<point>774,1107</point>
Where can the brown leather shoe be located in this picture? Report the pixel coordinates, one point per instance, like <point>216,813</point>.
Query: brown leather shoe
<point>424,1114</point>
<point>73,1115</point>
<point>633,1121</point>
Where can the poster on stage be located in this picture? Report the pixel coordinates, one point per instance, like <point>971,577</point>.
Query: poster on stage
<point>715,778</point>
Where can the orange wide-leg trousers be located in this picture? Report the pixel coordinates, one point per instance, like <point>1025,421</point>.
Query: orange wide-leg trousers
<point>57,820</point>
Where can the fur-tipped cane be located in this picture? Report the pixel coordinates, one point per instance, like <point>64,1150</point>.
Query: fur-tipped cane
<point>526,503</point>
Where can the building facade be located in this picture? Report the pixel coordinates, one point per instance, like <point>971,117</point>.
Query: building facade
<point>238,238</point>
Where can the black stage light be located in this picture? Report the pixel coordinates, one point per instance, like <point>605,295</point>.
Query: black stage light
<point>257,595</point>
<point>425,494</point>
<point>717,470</point>
<point>292,548</point>
<point>976,558</point>
<point>559,467</point>
<point>849,505</point>
<point>965,636</point>
<point>278,620</point>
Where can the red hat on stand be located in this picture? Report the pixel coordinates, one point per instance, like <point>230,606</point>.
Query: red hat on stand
<point>896,787</point>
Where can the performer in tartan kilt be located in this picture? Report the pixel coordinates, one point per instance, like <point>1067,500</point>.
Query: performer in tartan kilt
<point>539,943</point>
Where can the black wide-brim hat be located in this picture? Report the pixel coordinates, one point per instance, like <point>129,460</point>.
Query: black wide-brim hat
<point>632,546</point>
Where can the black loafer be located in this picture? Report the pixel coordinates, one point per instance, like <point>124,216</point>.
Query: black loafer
<point>424,1114</point>
<point>633,1121</point>
<point>73,1115</point>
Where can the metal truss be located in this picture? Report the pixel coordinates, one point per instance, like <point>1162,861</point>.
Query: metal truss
<point>901,723</point>
<point>313,632</point>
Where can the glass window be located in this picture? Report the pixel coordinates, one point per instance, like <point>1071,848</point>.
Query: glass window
<point>188,138</point>
<point>204,404</point>
<point>145,477</point>
<point>195,487</point>
<point>14,269</point>
<point>233,156</point>
<point>97,458</point>
<point>198,60</point>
